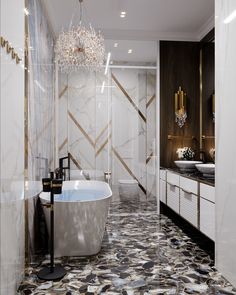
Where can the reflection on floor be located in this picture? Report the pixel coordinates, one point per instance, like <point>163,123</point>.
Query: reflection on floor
<point>142,253</point>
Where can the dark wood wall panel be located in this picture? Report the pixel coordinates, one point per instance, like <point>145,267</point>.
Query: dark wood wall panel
<point>208,88</point>
<point>179,66</point>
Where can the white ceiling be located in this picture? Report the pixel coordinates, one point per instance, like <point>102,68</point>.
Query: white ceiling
<point>146,20</point>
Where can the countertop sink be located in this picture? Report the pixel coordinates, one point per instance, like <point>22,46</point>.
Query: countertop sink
<point>208,170</point>
<point>187,166</point>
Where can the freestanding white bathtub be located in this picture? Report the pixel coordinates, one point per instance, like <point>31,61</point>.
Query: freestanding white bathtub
<point>80,217</point>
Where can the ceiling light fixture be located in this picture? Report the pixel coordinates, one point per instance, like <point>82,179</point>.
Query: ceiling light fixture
<point>80,48</point>
<point>231,17</point>
<point>130,51</point>
<point>116,44</point>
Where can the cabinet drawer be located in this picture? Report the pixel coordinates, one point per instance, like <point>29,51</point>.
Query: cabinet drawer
<point>189,207</point>
<point>189,185</point>
<point>207,218</point>
<point>163,174</point>
<point>172,178</point>
<point>163,191</point>
<point>207,192</point>
<point>173,197</point>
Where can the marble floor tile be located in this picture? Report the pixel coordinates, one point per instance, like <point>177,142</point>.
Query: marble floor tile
<point>142,253</point>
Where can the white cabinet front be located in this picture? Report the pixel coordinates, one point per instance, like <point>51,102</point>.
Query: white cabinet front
<point>163,191</point>
<point>189,207</point>
<point>207,218</point>
<point>173,197</point>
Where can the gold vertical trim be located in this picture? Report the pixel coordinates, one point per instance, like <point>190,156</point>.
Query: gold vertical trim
<point>81,129</point>
<point>128,97</point>
<point>200,111</point>
<point>26,137</point>
<point>128,169</point>
<point>150,100</point>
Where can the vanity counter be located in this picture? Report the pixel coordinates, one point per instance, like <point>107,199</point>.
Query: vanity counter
<point>193,175</point>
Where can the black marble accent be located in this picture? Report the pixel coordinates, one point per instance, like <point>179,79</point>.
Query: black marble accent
<point>142,253</point>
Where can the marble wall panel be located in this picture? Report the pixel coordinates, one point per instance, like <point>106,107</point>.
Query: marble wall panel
<point>63,115</point>
<point>108,129</point>
<point>151,133</point>
<point>81,116</point>
<point>40,104</point>
<point>225,138</point>
<point>12,222</point>
<point>40,94</point>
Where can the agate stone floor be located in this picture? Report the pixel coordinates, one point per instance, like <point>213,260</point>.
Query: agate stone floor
<point>142,253</point>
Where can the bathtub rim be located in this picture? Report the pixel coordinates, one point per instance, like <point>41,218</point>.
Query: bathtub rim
<point>46,195</point>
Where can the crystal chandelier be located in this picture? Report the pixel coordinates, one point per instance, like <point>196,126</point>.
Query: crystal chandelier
<point>80,48</point>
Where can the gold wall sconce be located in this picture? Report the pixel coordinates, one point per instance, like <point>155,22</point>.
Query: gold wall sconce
<point>213,107</point>
<point>180,108</point>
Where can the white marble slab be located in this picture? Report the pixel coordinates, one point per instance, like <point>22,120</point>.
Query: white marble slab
<point>12,223</point>
<point>225,138</point>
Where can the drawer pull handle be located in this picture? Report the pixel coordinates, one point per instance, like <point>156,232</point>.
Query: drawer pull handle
<point>187,192</point>
<point>171,184</point>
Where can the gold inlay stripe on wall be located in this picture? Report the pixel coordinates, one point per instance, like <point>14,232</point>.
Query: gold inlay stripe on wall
<point>128,97</point>
<point>150,100</point>
<point>102,132</point>
<point>63,91</point>
<point>149,157</point>
<point>75,162</point>
<point>102,146</point>
<point>81,129</point>
<point>63,144</point>
<point>128,169</point>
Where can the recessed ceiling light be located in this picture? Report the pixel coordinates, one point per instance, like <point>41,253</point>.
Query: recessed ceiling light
<point>123,14</point>
<point>130,51</point>
<point>111,62</point>
<point>116,44</point>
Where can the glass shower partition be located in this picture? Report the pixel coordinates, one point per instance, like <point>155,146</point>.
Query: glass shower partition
<point>108,125</point>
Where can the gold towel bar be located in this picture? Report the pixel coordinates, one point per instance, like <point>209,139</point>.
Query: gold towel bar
<point>207,137</point>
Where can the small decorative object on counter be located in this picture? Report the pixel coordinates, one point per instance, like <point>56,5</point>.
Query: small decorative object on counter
<point>212,154</point>
<point>185,153</point>
<point>180,108</point>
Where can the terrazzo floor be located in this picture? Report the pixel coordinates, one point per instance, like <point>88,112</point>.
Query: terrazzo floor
<point>142,253</point>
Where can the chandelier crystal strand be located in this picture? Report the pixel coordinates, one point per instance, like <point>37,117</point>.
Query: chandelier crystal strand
<point>80,48</point>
